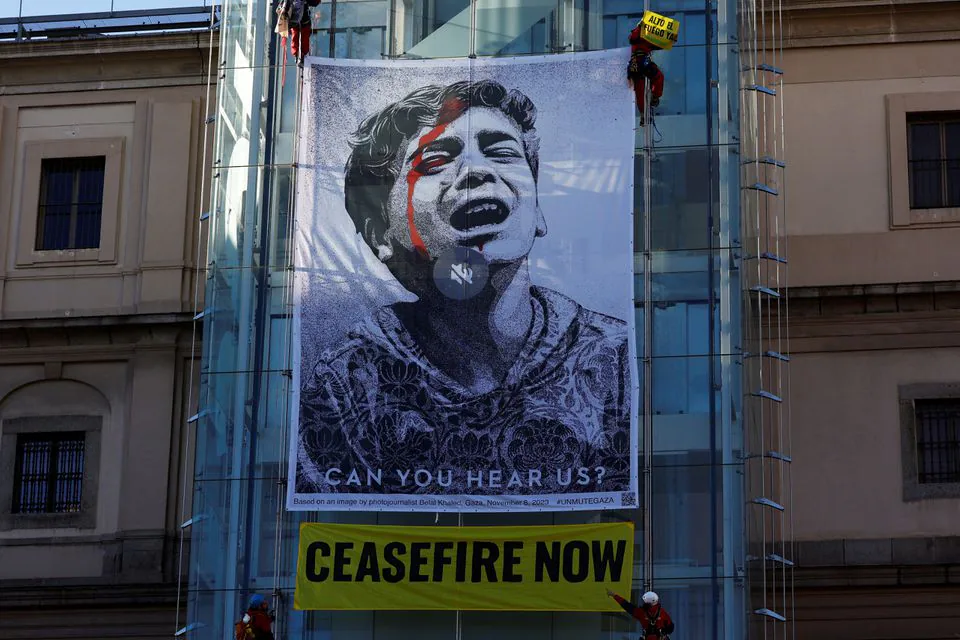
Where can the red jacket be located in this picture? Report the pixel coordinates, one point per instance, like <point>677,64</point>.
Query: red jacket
<point>260,622</point>
<point>655,621</point>
<point>637,43</point>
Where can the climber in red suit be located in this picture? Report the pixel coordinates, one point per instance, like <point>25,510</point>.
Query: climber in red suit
<point>300,31</point>
<point>653,618</point>
<point>643,68</point>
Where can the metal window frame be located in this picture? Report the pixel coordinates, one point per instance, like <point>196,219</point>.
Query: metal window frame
<point>42,204</point>
<point>953,457</point>
<point>52,472</point>
<point>913,489</point>
<point>941,119</point>
<point>33,154</point>
<point>10,430</point>
<point>901,107</point>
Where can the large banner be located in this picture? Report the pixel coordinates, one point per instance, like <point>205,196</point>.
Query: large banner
<point>464,317</point>
<point>545,568</point>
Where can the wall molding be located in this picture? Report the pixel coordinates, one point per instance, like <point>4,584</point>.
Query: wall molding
<point>826,23</point>
<point>874,317</point>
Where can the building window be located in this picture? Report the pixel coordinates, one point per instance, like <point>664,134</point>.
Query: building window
<point>48,473</point>
<point>933,146</point>
<point>71,203</point>
<point>938,440</point>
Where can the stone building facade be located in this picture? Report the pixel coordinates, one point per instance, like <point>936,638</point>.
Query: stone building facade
<point>100,194</point>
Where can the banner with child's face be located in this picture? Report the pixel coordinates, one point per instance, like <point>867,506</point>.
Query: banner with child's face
<point>464,335</point>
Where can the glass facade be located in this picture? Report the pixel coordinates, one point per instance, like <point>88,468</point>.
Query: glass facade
<point>690,538</point>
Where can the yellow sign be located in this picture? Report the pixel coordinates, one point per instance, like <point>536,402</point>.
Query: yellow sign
<point>539,568</point>
<point>659,30</point>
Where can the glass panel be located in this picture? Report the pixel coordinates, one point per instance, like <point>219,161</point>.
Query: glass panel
<point>433,28</point>
<point>351,29</point>
<point>69,476</point>
<point>56,202</point>
<point>33,475</point>
<point>952,148</point>
<point>245,32</point>
<point>685,194</point>
<point>683,413</point>
<point>89,204</point>
<point>58,181</point>
<point>925,141</point>
<point>129,5</point>
<point>506,27</point>
<point>926,171</point>
<point>54,228</point>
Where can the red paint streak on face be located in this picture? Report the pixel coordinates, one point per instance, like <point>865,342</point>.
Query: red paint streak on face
<point>412,176</point>
<point>452,109</point>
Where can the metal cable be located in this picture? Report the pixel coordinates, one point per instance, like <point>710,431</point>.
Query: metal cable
<point>648,560</point>
<point>286,345</point>
<point>792,629</point>
<point>187,439</point>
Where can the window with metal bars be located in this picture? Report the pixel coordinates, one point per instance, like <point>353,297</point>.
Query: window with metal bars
<point>48,472</point>
<point>933,147</point>
<point>71,203</point>
<point>938,440</point>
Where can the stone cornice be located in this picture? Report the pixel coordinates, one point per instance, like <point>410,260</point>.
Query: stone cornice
<point>873,298</point>
<point>105,63</point>
<point>874,317</point>
<point>85,592</point>
<point>821,23</point>
<point>136,44</point>
<point>97,321</point>
<point>93,338</point>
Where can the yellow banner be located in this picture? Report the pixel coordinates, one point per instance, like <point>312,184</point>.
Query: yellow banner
<point>659,30</point>
<point>539,568</point>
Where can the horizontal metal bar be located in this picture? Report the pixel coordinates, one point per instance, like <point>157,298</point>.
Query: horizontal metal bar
<point>770,614</point>
<point>764,67</point>
<point>776,557</point>
<point>187,629</point>
<point>766,256</point>
<point>197,416</point>
<point>766,160</point>
<point>767,395</point>
<point>194,520</point>
<point>759,186</point>
<point>776,455</point>
<point>765,290</point>
<point>761,89</point>
<point>773,557</point>
<point>766,502</point>
<point>767,354</point>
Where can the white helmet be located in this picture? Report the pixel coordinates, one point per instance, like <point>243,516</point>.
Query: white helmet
<point>650,598</point>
